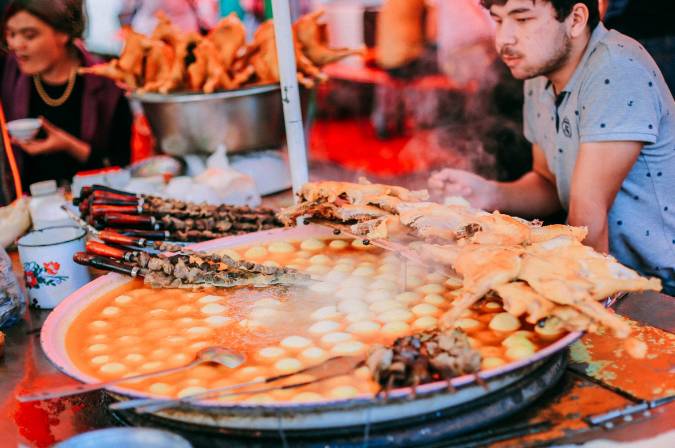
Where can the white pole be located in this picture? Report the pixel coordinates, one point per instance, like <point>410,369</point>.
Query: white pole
<point>290,94</point>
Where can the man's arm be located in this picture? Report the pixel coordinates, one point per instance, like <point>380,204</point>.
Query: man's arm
<point>533,195</point>
<point>600,169</point>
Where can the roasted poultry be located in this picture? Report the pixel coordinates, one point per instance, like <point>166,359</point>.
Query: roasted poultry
<point>170,60</point>
<point>543,272</point>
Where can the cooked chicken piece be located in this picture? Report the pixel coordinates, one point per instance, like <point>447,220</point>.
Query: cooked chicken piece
<point>133,53</point>
<point>348,212</point>
<point>313,40</point>
<point>158,63</point>
<point>229,36</point>
<point>519,299</point>
<point>185,46</point>
<point>545,233</point>
<point>482,268</point>
<point>498,229</point>
<point>437,221</point>
<point>111,70</point>
<point>358,194</point>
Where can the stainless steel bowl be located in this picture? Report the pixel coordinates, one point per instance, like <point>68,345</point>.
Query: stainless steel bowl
<point>243,120</point>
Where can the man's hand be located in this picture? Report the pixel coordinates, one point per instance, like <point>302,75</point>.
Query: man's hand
<point>481,193</point>
<point>57,140</point>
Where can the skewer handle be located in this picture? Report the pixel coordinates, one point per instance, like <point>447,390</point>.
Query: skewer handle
<point>96,248</point>
<point>105,264</point>
<point>113,237</point>
<point>97,210</point>
<point>155,235</point>
<point>119,219</point>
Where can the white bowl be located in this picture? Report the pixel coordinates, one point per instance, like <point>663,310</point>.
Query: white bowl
<point>24,129</point>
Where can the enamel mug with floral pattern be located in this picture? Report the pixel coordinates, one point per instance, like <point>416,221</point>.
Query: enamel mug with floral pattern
<point>47,260</point>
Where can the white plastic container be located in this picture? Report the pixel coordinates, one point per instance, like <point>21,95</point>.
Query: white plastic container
<point>45,205</point>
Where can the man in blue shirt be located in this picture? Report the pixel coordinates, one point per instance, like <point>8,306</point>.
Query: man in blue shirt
<point>601,121</point>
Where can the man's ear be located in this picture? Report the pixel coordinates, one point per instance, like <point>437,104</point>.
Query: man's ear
<point>578,20</point>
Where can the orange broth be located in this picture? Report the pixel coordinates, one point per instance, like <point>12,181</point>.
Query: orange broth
<point>362,296</point>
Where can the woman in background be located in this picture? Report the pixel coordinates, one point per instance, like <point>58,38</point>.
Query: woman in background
<point>86,120</point>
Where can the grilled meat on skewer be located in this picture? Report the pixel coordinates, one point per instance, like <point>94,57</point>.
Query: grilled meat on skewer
<point>423,358</point>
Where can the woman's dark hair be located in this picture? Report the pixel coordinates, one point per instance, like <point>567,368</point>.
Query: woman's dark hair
<point>563,8</point>
<point>66,16</point>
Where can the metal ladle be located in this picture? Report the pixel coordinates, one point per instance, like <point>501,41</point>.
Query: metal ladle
<point>218,355</point>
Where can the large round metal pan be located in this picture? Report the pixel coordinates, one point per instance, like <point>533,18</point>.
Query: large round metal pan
<point>326,414</point>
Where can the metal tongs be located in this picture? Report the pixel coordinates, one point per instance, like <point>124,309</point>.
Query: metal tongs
<point>330,368</point>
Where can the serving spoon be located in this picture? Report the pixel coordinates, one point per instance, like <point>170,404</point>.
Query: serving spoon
<point>330,368</point>
<point>217,355</point>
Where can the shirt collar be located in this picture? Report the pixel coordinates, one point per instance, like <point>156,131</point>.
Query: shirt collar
<point>596,36</point>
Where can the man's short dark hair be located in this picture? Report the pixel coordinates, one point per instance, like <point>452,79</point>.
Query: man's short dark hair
<point>563,8</point>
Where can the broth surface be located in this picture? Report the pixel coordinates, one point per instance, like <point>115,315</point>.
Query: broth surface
<point>360,295</point>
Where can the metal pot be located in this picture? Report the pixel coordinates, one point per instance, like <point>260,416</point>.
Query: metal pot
<point>243,120</point>
<point>360,410</point>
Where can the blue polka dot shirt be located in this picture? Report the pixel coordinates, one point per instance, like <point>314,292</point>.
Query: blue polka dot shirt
<point>616,94</point>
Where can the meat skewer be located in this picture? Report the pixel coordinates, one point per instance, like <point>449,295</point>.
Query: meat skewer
<point>180,270</point>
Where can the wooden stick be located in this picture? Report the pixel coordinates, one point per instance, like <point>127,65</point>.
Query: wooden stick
<point>10,154</point>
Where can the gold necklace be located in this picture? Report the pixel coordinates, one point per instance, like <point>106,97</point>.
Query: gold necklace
<point>55,102</point>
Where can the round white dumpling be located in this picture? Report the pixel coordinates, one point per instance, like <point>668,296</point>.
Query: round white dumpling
<point>492,362</point>
<point>379,295</point>
<point>431,288</point>
<point>287,365</point>
<point>280,247</point>
<point>350,292</point>
<point>312,245</point>
<point>213,308</point>
<point>318,269</point>
<point>348,348</point>
<point>267,303</point>
<point>323,327</point>
<point>395,329</point>
<point>349,306</point>
<point>218,321</point>
<point>335,276</point>
<point>435,300</point>
<point>358,316</point>
<point>364,328</point>
<point>408,298</point>
<point>270,354</point>
<point>325,312</point>
<point>425,323</point>
<point>322,287</point>
<point>320,259</point>
<point>343,392</point>
<point>385,305</point>
<point>413,281</point>
<point>359,244</point>
<point>343,268</point>
<point>123,299</point>
<point>313,355</point>
<point>364,271</point>
<point>467,324</point>
<point>338,244</point>
<point>100,360</point>
<point>295,343</point>
<point>331,339</point>
<point>425,309</point>
<point>504,322</point>
<point>209,299</point>
<point>255,252</point>
<point>264,314</point>
<point>191,390</point>
<point>394,315</point>
<point>112,368</point>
